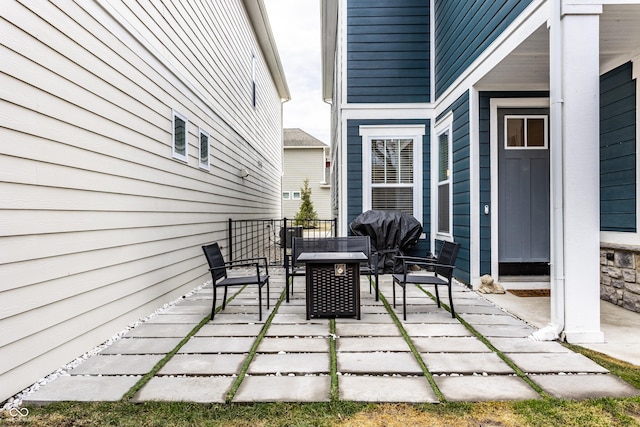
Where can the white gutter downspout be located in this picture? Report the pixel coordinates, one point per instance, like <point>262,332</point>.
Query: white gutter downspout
<point>555,329</point>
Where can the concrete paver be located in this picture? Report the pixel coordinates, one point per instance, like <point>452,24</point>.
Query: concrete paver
<point>296,363</point>
<point>449,345</point>
<point>284,389</point>
<point>142,346</point>
<point>83,389</point>
<point>465,363</point>
<point>293,345</point>
<point>555,363</point>
<point>188,389</point>
<point>360,344</point>
<point>477,388</point>
<point>218,345</point>
<point>584,386</point>
<point>386,389</point>
<point>122,364</point>
<point>378,363</point>
<point>203,364</point>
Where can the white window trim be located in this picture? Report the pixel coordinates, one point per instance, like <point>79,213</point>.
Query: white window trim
<point>415,132</point>
<point>174,153</point>
<point>444,125</point>
<point>206,165</point>
<point>296,195</point>
<point>286,195</point>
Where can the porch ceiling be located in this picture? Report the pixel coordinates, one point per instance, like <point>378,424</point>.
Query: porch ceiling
<point>527,66</point>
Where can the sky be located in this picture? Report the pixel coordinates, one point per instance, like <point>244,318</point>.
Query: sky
<point>295,24</point>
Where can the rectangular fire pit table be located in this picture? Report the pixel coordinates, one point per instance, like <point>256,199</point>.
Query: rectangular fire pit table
<point>332,283</point>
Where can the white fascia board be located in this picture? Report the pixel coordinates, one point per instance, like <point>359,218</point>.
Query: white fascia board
<point>388,111</point>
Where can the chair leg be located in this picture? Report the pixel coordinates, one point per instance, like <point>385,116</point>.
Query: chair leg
<point>453,313</point>
<point>213,306</point>
<point>394,294</point>
<point>260,303</point>
<point>437,295</point>
<point>267,294</point>
<point>286,284</point>
<point>377,289</point>
<point>224,300</point>
<point>404,301</point>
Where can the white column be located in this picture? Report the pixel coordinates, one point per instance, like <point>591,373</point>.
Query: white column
<point>580,93</point>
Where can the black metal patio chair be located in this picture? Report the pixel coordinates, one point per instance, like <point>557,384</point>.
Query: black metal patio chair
<point>437,272</point>
<point>218,268</point>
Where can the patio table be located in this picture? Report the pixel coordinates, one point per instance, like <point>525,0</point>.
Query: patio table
<point>332,283</point>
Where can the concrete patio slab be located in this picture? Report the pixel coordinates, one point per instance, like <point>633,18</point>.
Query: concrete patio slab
<point>450,345</point>
<point>204,309</point>
<point>373,318</point>
<point>584,386</point>
<point>82,389</point>
<point>124,364</point>
<point>294,345</point>
<point>176,318</point>
<point>436,330</point>
<point>295,363</point>
<point>525,345</point>
<point>240,318</point>
<point>160,330</point>
<point>142,346</point>
<point>378,363</point>
<point>474,388</point>
<point>515,331</point>
<point>366,330</point>
<point>186,389</point>
<point>218,345</point>
<point>433,317</point>
<point>477,309</point>
<point>211,330</point>
<point>546,363</point>
<point>295,318</point>
<point>300,330</point>
<point>492,319</point>
<point>360,344</point>
<point>386,389</point>
<point>465,363</point>
<point>284,389</point>
<point>203,364</point>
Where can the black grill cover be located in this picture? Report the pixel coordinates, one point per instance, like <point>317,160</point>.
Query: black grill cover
<point>391,232</point>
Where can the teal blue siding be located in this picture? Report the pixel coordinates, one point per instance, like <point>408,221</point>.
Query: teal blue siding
<point>484,139</point>
<point>464,29</point>
<point>354,172</point>
<point>388,51</point>
<point>461,185</point>
<point>618,150</point>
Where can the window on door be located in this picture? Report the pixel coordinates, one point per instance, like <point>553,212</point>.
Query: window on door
<point>525,132</point>
<point>391,172</point>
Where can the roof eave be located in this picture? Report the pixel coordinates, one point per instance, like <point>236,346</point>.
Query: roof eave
<point>329,32</point>
<point>259,20</point>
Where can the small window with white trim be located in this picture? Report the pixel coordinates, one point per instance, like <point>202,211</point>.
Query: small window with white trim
<point>286,195</point>
<point>295,195</point>
<point>525,132</point>
<point>204,150</point>
<point>180,143</point>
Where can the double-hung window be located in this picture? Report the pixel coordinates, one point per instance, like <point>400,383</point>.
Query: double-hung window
<point>444,177</point>
<point>392,172</point>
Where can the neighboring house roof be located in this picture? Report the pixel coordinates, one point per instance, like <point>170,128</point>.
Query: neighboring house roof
<point>297,138</point>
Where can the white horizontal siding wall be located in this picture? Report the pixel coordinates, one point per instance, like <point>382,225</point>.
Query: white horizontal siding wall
<point>99,225</point>
<point>300,164</point>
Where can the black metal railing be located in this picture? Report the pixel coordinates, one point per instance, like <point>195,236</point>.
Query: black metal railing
<point>271,238</point>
